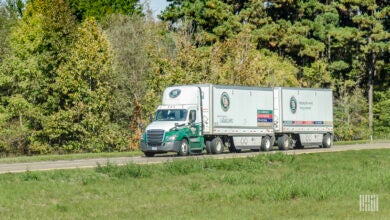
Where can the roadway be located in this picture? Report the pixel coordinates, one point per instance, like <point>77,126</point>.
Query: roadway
<point>91,163</point>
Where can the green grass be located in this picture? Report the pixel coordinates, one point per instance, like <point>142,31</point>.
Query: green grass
<point>75,156</point>
<point>361,142</point>
<point>273,186</point>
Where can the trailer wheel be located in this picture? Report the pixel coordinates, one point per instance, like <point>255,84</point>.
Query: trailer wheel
<point>266,144</point>
<point>149,154</point>
<point>183,149</point>
<point>327,141</point>
<point>216,146</point>
<point>283,142</point>
<point>208,147</point>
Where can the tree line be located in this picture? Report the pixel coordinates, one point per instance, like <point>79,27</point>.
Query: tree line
<point>80,76</point>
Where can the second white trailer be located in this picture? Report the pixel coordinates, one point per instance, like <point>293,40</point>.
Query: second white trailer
<point>303,116</point>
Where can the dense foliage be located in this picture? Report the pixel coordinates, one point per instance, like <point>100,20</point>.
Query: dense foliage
<point>101,8</point>
<point>339,44</point>
<point>82,75</point>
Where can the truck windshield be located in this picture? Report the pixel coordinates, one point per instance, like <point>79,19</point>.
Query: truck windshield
<point>171,115</point>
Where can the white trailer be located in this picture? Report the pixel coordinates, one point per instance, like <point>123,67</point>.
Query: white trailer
<point>303,116</point>
<point>240,117</point>
<point>212,117</point>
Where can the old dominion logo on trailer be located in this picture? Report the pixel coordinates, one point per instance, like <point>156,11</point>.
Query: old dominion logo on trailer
<point>293,104</point>
<point>225,101</point>
<point>174,93</point>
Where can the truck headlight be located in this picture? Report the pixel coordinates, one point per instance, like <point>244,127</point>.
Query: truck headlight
<point>172,138</point>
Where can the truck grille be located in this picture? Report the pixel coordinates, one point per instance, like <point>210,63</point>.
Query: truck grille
<point>155,137</point>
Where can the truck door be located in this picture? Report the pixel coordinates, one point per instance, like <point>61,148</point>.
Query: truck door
<point>195,134</point>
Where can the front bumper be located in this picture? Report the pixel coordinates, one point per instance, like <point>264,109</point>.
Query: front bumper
<point>163,148</point>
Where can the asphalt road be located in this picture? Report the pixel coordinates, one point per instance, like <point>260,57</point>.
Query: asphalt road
<point>90,163</point>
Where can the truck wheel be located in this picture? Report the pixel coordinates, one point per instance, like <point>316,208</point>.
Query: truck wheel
<point>208,147</point>
<point>216,146</point>
<point>326,141</point>
<point>265,143</point>
<point>149,154</point>
<point>283,142</point>
<point>183,149</point>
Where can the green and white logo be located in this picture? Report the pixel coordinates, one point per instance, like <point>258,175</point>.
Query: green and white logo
<point>293,104</point>
<point>174,93</point>
<point>225,101</point>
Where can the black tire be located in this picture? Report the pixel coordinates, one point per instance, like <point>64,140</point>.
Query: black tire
<point>217,146</point>
<point>284,142</point>
<point>208,147</point>
<point>183,148</point>
<point>149,154</point>
<point>327,141</point>
<point>266,144</point>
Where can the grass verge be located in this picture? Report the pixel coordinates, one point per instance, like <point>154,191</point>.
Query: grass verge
<point>76,156</point>
<point>276,186</point>
<point>361,142</point>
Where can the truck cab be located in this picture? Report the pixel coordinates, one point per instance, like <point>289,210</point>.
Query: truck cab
<point>177,125</point>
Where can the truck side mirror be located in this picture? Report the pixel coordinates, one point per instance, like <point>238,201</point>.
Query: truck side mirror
<point>192,116</point>
<point>150,117</point>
